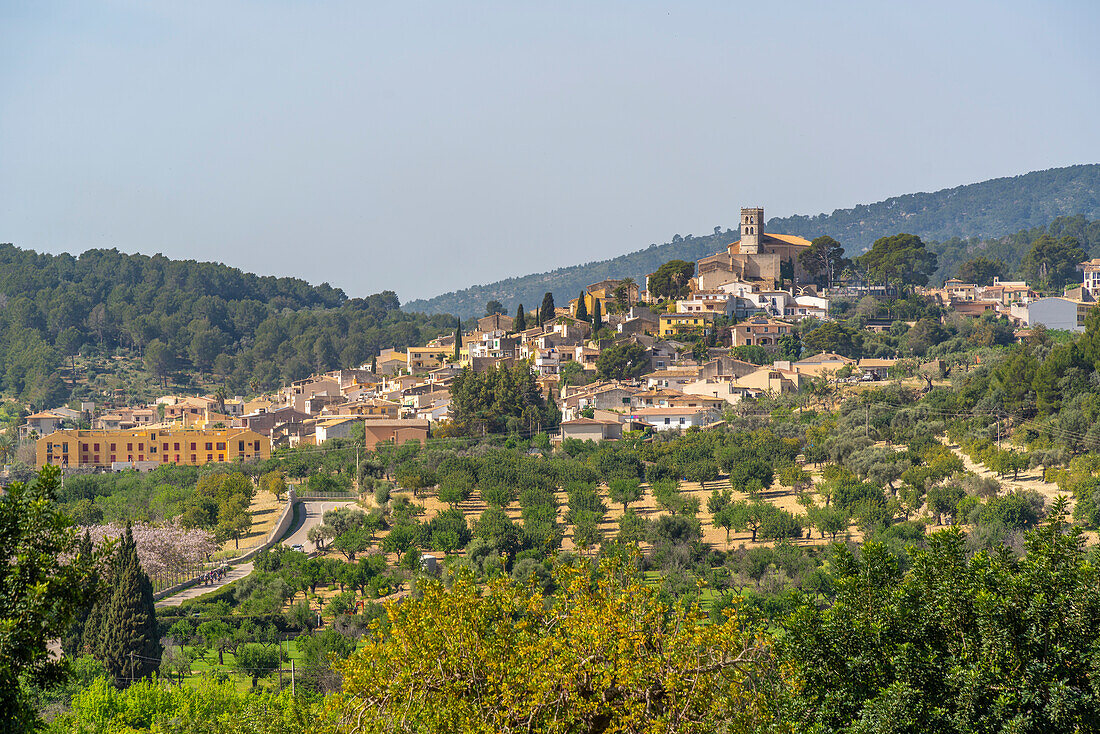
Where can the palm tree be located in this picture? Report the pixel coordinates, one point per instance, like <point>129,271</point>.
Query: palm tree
<point>220,395</point>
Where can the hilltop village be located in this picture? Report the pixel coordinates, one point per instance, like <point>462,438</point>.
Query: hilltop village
<point>670,354</point>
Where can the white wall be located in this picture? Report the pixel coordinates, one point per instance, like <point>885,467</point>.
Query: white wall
<point>1053,313</point>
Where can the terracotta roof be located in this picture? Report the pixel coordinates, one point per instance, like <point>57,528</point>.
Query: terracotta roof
<point>790,239</point>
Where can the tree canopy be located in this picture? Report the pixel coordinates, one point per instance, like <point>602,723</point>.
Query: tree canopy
<point>902,258</point>
<point>671,279</point>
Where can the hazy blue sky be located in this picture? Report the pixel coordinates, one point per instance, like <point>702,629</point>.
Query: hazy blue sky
<point>426,147</point>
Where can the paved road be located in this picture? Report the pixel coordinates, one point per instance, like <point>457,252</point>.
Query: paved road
<point>234,573</point>
<point>312,515</point>
<point>309,517</point>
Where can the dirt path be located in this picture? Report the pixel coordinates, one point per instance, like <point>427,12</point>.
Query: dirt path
<point>1031,478</point>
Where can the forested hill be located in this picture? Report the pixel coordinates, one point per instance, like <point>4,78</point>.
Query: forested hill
<point>181,317</point>
<point>989,209</point>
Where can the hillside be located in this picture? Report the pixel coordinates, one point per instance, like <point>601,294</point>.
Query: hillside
<point>988,209</point>
<point>179,318</point>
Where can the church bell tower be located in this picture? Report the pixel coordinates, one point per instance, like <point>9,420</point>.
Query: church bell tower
<point>752,223</point>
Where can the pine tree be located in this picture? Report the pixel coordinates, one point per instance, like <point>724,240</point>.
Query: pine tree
<point>597,316</point>
<point>546,314</point>
<point>130,647</point>
<point>582,308</point>
<point>73,642</point>
<point>521,319</point>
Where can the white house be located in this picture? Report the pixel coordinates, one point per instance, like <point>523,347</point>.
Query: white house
<point>1058,313</point>
<point>667,419</point>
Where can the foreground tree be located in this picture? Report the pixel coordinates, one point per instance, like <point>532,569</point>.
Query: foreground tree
<point>129,644</point>
<point>607,655</point>
<point>39,591</point>
<point>204,705</point>
<point>955,644</point>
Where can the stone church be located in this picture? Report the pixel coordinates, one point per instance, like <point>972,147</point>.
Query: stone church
<point>757,257</point>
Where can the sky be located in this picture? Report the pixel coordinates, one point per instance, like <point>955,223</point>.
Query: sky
<point>424,147</point>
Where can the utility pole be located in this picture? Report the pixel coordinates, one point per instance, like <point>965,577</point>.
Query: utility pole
<point>292,679</point>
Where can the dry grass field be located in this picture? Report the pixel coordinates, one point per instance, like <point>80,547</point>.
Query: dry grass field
<point>265,510</point>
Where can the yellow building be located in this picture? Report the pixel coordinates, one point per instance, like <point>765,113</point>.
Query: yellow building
<point>175,445</point>
<point>671,324</point>
<point>423,359</point>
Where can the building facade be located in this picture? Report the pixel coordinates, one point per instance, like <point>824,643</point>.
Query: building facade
<point>185,446</point>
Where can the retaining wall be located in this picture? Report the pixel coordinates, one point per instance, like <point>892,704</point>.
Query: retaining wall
<point>272,538</point>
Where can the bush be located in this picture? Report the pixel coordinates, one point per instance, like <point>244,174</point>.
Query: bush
<point>342,603</point>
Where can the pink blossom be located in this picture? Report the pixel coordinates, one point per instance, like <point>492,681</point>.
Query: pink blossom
<point>163,549</point>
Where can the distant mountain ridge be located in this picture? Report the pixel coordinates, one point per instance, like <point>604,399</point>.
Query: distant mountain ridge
<point>991,208</point>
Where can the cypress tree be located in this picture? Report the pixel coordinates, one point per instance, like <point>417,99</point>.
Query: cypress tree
<point>458,343</point>
<point>374,364</point>
<point>521,319</point>
<point>546,314</point>
<point>129,645</point>
<point>73,642</point>
<point>582,308</point>
<point>597,316</point>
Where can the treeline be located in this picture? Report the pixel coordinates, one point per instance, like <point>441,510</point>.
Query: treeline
<point>988,209</point>
<point>253,332</point>
<point>1007,257</point>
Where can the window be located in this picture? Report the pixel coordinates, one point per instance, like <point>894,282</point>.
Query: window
<point>176,446</point>
<point>209,457</point>
<point>129,447</point>
<point>209,446</point>
<point>668,421</point>
<point>112,447</point>
<point>192,448</point>
<point>221,446</point>
<point>240,446</point>
<point>97,447</point>
<point>193,459</point>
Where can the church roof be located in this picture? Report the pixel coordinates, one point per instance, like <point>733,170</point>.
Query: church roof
<point>790,239</point>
